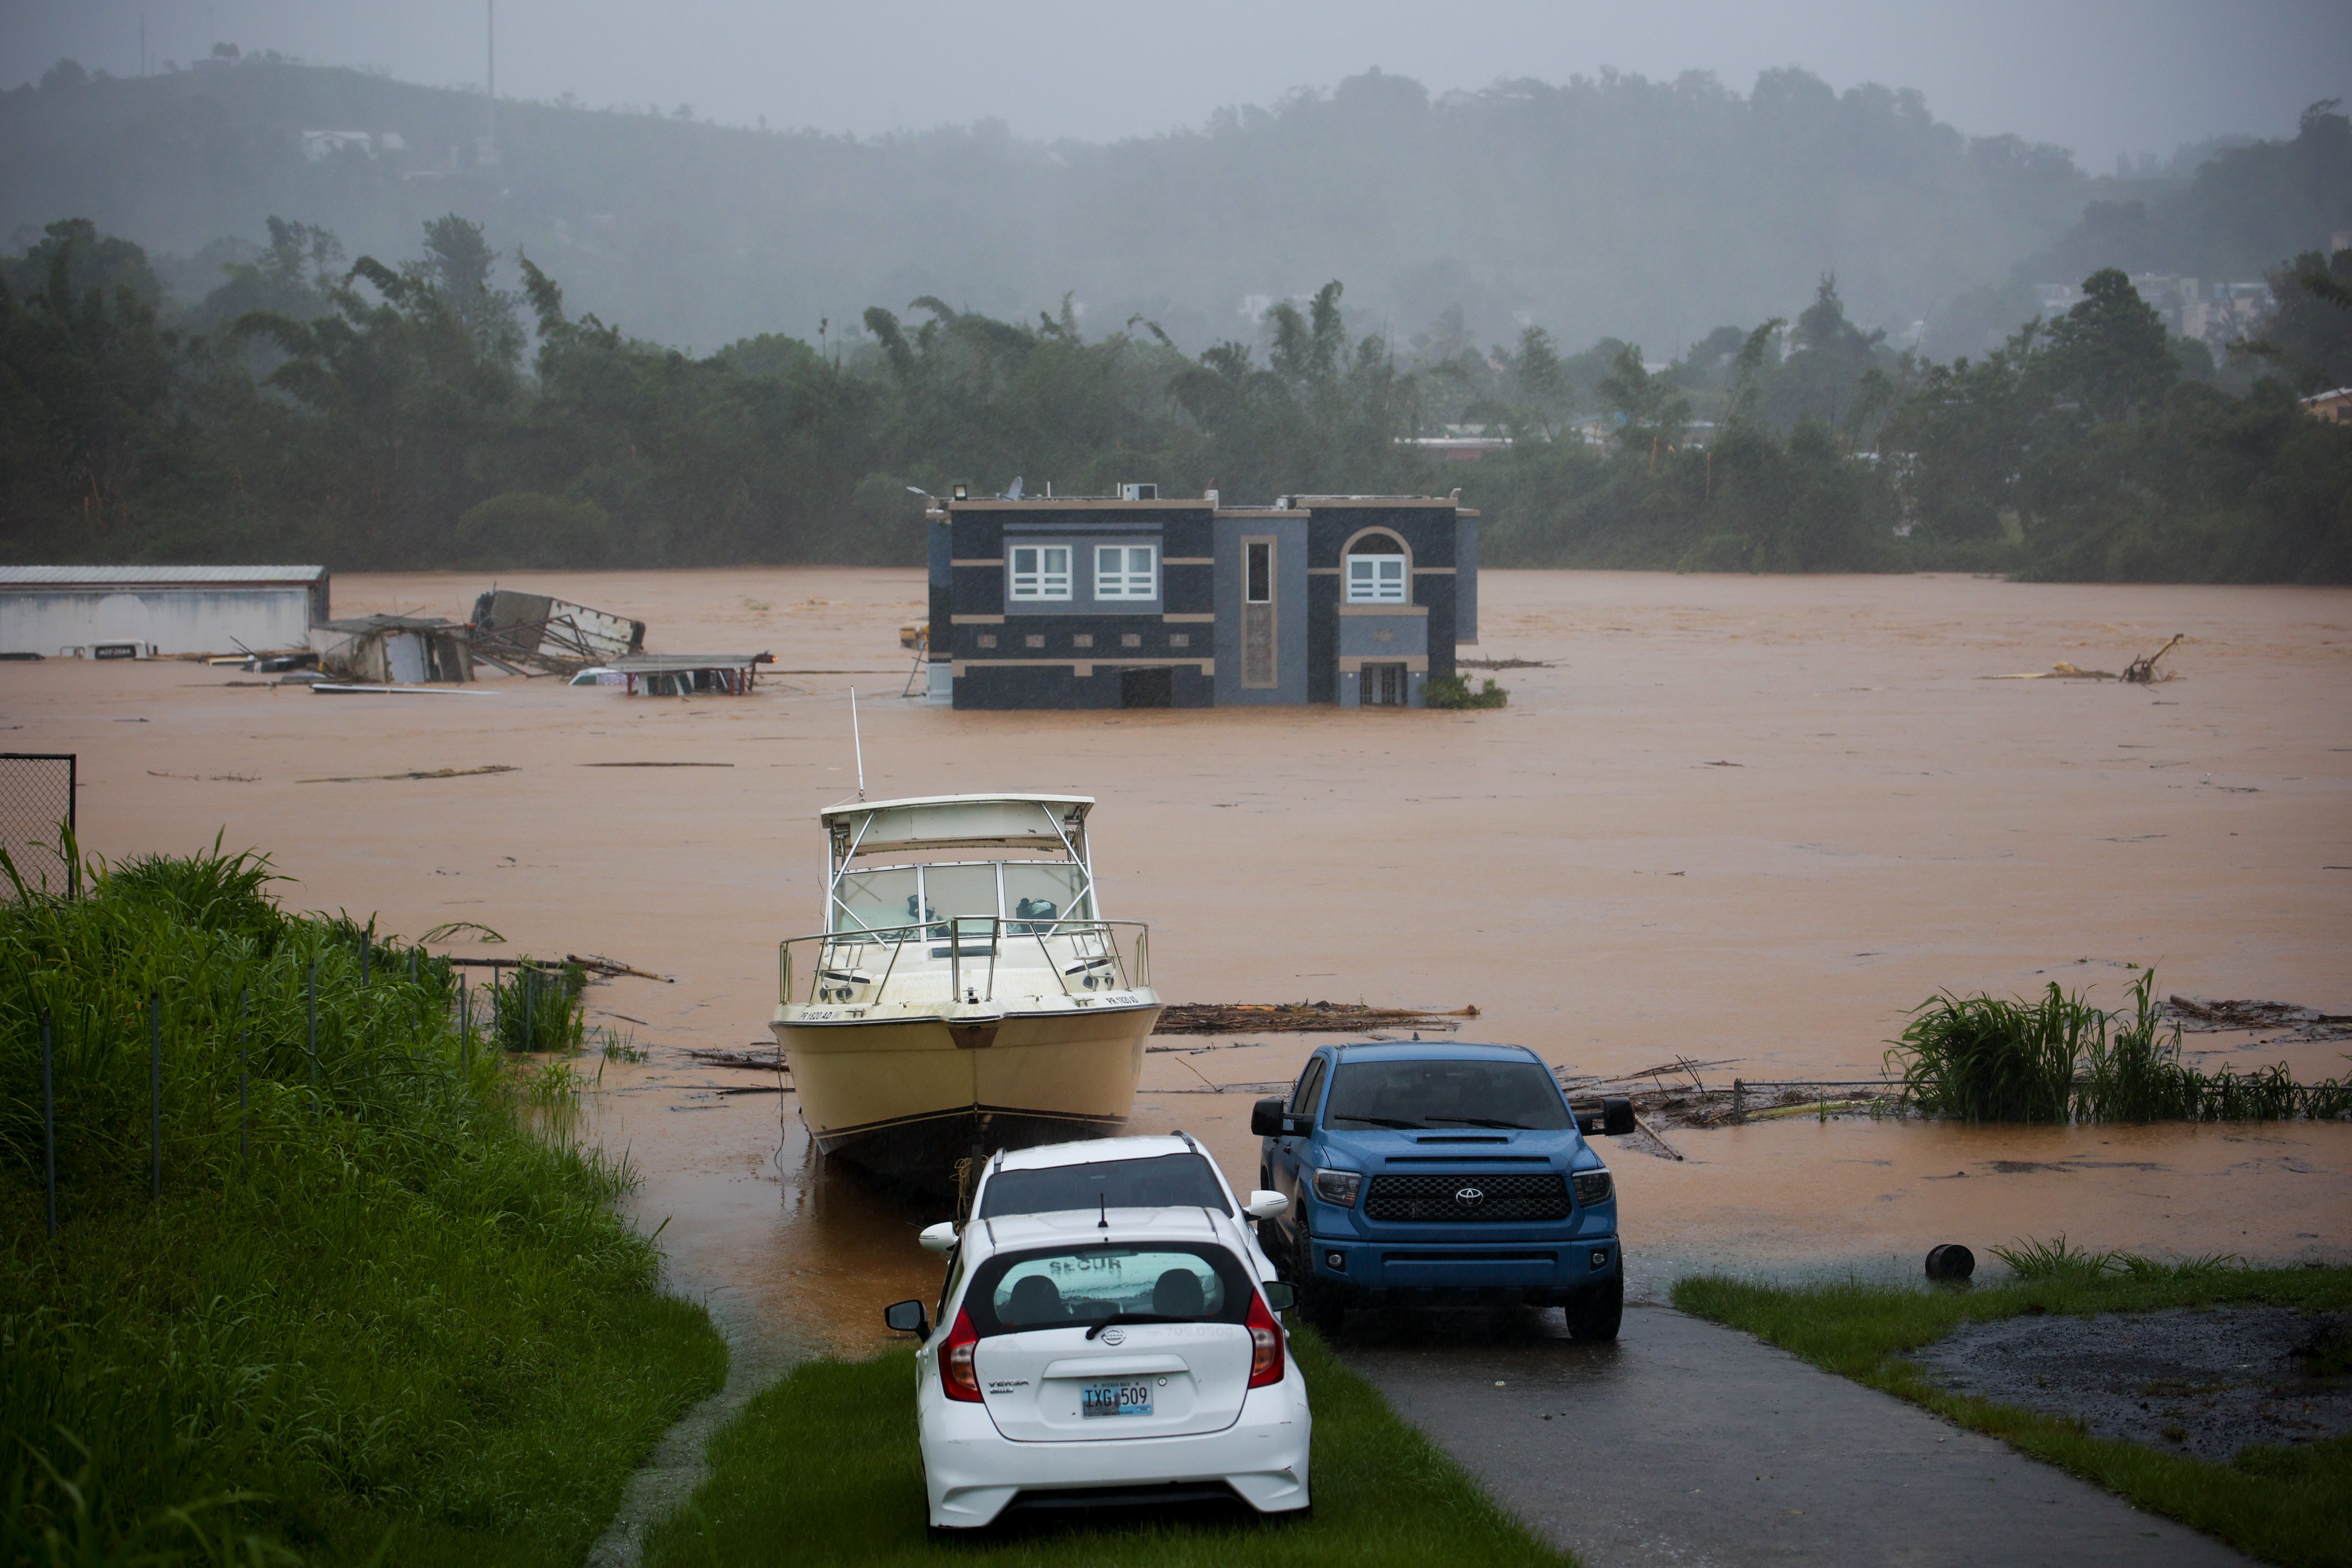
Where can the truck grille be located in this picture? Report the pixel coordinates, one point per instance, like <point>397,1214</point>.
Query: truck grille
<point>1484,1197</point>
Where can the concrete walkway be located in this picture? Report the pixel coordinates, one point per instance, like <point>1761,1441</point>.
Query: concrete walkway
<point>1687,1443</point>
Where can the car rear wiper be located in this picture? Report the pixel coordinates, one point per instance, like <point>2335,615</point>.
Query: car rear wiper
<point>1486,1121</point>
<point>1380,1121</point>
<point>1134,1317</point>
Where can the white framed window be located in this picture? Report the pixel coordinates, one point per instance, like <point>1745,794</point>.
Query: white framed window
<point>1127,572</point>
<point>1376,580</point>
<point>1040,571</point>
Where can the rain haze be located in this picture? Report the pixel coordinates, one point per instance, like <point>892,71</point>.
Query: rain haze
<point>2097,78</point>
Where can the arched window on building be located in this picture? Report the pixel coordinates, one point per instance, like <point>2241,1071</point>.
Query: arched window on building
<point>1378,568</point>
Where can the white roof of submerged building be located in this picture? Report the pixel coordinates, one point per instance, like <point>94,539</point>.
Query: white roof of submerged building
<point>154,577</point>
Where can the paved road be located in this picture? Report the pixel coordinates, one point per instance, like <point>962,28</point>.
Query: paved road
<point>1690,1445</point>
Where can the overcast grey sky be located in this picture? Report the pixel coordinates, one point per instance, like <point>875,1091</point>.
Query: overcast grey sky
<point>2097,76</point>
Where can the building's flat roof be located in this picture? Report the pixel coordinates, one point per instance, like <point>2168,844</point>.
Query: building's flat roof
<point>154,577</point>
<point>659,663</point>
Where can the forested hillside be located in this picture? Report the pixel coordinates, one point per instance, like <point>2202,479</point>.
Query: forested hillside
<point>1616,205</point>
<point>373,413</point>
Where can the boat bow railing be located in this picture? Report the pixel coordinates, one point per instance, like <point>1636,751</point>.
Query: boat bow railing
<point>851,967</point>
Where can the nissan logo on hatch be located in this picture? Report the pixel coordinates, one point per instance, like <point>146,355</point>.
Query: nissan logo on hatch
<point>1114,1337</point>
<point>1469,1197</point>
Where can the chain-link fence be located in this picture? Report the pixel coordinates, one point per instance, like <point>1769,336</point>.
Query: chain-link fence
<point>37,819</point>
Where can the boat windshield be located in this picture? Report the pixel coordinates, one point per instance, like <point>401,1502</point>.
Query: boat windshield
<point>1517,1095</point>
<point>1163,1181</point>
<point>1030,896</point>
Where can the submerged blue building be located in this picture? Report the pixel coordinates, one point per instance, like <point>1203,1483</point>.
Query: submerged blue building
<point>1136,602</point>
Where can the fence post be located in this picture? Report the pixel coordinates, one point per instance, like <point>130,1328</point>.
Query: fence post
<point>363,952</point>
<point>466,1031</point>
<point>49,1126</point>
<point>530,1008</point>
<point>244,1151</point>
<point>312,1012</point>
<point>1738,1103</point>
<point>155,1090</point>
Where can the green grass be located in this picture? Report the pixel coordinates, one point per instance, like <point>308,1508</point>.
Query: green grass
<point>2291,1506</point>
<point>2057,1059</point>
<point>387,1323</point>
<point>826,1461</point>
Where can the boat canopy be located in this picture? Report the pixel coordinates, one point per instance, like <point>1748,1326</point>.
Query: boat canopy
<point>926,822</point>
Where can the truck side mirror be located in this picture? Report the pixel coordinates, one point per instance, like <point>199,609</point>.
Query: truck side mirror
<point>940,1237</point>
<point>1616,1115</point>
<point>907,1318</point>
<point>1266,1119</point>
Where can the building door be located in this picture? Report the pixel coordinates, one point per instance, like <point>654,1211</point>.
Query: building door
<point>1146,688</point>
<point>1259,649</point>
<point>1383,686</point>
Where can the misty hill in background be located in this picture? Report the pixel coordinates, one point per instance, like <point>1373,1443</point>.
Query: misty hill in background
<point>1650,211</point>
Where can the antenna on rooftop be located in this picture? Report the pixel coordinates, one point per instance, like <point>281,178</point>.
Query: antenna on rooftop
<point>857,741</point>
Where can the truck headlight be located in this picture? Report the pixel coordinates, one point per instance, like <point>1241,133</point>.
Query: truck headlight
<point>1338,1187</point>
<point>1592,1187</point>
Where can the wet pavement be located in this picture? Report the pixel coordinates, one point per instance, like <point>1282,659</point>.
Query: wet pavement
<point>1689,1445</point>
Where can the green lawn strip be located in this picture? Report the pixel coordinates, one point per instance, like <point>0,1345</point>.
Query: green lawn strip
<point>2290,1506</point>
<point>823,1468</point>
<point>409,1330</point>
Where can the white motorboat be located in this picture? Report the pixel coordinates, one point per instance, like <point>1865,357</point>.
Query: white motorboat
<point>965,995</point>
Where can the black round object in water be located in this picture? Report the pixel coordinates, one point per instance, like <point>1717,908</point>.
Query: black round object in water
<point>1950,1261</point>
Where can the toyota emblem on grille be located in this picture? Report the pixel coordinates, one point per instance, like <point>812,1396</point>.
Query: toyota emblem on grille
<point>1469,1197</point>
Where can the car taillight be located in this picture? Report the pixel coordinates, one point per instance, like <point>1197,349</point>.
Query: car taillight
<point>1265,1344</point>
<point>956,1374</point>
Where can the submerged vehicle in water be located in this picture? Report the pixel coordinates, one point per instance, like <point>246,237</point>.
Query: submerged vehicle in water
<point>964,996</point>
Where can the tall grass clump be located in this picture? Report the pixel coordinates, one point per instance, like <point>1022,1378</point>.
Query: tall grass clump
<point>2058,1058</point>
<point>537,1009</point>
<point>369,1316</point>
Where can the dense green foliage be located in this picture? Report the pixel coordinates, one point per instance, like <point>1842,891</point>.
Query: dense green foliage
<point>2290,1506</point>
<point>369,1318</point>
<point>379,417</point>
<point>826,1460</point>
<point>2058,1058</point>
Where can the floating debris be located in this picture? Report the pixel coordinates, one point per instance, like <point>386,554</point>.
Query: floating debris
<point>435,774</point>
<point>1298,1018</point>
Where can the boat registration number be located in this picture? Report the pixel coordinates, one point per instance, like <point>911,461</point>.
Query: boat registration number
<point>1114,1399</point>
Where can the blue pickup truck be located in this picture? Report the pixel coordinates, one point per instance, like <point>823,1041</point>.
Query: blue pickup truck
<point>1441,1172</point>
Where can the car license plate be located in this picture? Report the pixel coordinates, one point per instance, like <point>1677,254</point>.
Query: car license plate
<point>1114,1399</point>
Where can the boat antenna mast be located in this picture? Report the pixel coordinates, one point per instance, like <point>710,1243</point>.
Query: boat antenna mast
<point>858,742</point>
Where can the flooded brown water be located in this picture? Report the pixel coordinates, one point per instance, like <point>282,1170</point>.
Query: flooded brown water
<point>1746,820</point>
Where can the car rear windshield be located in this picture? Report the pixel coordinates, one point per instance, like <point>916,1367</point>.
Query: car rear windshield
<point>1427,1094</point>
<point>1164,1180</point>
<point>1147,1282</point>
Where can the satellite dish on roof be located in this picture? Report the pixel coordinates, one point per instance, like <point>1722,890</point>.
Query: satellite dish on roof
<point>1012,492</point>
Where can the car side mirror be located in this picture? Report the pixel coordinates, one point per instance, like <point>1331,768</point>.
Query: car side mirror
<point>907,1318</point>
<point>1266,1119</point>
<point>1265,1205</point>
<point>940,1237</point>
<point>1280,1295</point>
<point>1614,1119</point>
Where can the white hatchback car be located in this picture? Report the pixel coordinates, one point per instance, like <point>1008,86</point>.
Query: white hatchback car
<point>1102,1355</point>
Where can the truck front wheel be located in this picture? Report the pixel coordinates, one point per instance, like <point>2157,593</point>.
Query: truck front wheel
<point>1324,1306</point>
<point>1596,1312</point>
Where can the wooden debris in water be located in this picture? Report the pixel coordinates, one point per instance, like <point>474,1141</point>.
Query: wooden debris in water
<point>1298,1018</point>
<point>435,774</point>
<point>749,1060</point>
<point>609,966</point>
